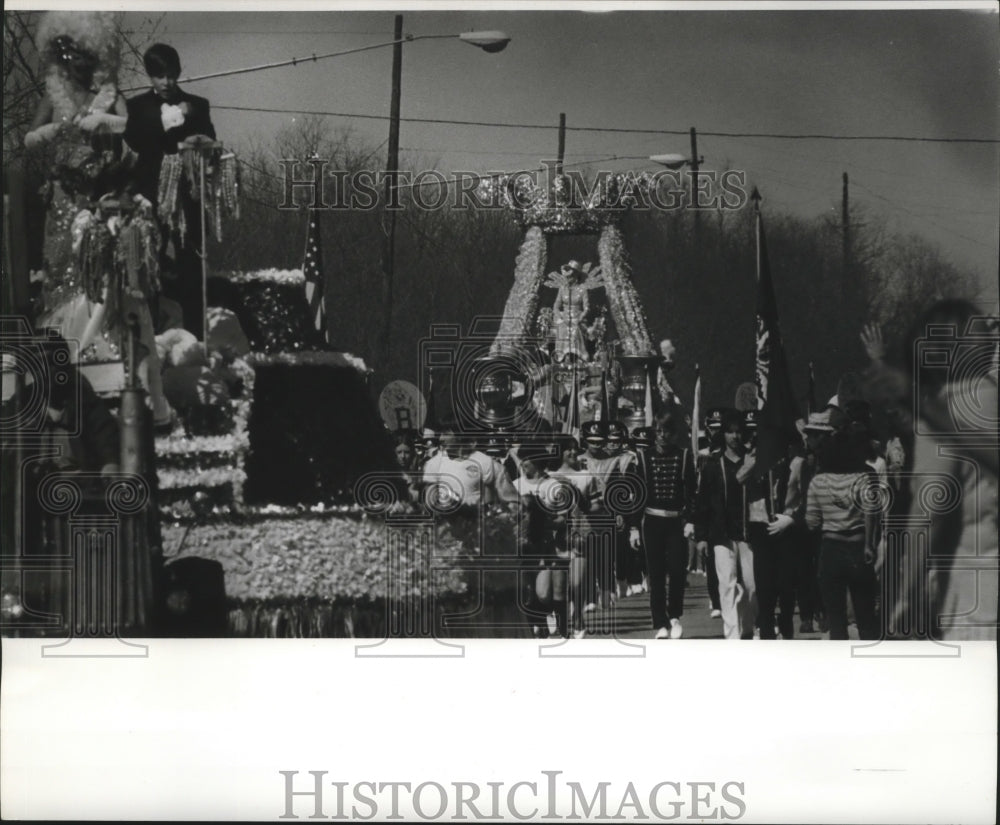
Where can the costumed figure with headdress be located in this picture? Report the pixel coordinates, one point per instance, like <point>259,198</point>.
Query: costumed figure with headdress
<point>79,121</point>
<point>571,307</point>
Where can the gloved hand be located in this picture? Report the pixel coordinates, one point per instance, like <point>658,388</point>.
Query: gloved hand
<point>689,531</point>
<point>633,538</point>
<point>41,135</point>
<point>91,122</point>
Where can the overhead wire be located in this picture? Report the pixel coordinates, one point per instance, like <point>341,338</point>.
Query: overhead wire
<point>614,129</point>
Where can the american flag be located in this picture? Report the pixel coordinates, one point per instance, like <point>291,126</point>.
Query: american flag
<point>312,268</point>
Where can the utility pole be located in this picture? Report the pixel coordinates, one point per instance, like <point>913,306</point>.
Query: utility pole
<point>694,180</point>
<point>562,143</point>
<point>391,168</point>
<point>845,222</point>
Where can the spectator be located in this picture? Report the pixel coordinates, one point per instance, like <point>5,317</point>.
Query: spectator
<point>835,507</point>
<point>956,393</point>
<point>406,460</point>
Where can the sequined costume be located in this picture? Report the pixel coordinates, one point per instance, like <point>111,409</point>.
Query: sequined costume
<point>83,166</point>
<point>571,306</point>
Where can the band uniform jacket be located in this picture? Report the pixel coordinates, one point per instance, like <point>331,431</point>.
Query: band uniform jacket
<point>669,481</point>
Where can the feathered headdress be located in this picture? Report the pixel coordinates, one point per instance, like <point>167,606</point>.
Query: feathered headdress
<point>89,31</point>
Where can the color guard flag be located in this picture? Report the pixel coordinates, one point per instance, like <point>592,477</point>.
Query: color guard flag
<point>696,411</point>
<point>312,268</point>
<point>811,396</point>
<point>649,401</point>
<point>775,399</point>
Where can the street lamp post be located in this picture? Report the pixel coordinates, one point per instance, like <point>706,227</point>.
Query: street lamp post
<point>488,41</point>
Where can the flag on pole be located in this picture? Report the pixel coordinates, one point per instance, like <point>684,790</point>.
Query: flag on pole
<point>604,413</point>
<point>811,397</point>
<point>696,410</point>
<point>649,400</point>
<point>430,415</point>
<point>312,268</point>
<point>775,399</point>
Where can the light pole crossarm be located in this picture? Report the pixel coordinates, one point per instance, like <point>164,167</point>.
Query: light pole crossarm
<point>292,62</point>
<point>487,41</point>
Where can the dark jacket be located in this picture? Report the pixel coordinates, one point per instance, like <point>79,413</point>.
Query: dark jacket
<point>722,505</point>
<point>145,134</point>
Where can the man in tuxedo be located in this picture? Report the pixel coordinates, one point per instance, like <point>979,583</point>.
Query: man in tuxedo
<point>159,122</point>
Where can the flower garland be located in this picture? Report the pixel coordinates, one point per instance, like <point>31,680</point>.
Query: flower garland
<point>554,209</point>
<point>293,277</point>
<point>185,457</point>
<point>310,358</point>
<point>173,478</point>
<point>326,558</point>
<point>522,302</point>
<point>626,309</point>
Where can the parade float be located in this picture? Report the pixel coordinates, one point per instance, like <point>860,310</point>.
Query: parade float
<point>273,481</point>
<point>589,354</point>
<point>317,563</point>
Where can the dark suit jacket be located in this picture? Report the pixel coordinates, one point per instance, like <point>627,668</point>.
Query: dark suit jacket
<point>145,134</point>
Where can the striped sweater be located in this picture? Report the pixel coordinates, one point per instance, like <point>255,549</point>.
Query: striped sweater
<point>834,501</point>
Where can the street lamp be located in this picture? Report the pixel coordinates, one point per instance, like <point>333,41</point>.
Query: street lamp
<point>488,41</point>
<point>676,162</point>
<point>671,161</point>
<point>491,41</point>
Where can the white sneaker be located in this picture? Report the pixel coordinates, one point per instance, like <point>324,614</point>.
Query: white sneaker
<point>716,613</point>
<point>662,633</point>
<point>676,631</point>
<point>756,632</point>
<point>579,634</point>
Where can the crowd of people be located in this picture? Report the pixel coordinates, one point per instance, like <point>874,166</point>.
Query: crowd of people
<point>802,536</point>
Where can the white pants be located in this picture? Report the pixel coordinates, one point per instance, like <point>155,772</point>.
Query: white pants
<point>738,605</point>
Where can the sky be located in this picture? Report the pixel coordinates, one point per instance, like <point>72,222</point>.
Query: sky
<point>916,73</point>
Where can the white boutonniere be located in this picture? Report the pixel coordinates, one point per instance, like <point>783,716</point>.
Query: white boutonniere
<point>171,116</point>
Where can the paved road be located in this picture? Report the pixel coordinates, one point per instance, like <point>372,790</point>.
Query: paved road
<point>631,618</point>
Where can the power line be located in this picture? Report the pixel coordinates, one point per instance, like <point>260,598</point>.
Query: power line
<point>923,217</point>
<point>612,129</point>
